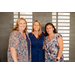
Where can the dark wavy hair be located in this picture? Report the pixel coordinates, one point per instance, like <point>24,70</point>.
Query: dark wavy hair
<point>55,31</point>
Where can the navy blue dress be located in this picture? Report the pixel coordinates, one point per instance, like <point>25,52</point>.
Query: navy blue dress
<point>36,48</point>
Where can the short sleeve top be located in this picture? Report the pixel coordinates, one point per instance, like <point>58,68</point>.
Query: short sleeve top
<point>17,41</point>
<point>52,48</point>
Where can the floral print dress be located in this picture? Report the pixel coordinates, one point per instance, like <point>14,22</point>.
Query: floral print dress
<point>17,41</point>
<point>52,48</point>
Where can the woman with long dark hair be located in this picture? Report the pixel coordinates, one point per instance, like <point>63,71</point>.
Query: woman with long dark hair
<point>53,44</point>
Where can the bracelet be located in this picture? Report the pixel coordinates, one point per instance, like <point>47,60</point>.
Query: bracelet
<point>58,57</point>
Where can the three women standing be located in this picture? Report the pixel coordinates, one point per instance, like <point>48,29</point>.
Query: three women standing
<point>23,47</point>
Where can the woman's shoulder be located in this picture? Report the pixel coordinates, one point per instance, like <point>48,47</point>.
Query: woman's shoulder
<point>14,32</point>
<point>30,34</point>
<point>46,37</point>
<point>58,35</point>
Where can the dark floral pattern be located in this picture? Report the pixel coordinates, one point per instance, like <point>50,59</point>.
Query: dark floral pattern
<point>52,48</point>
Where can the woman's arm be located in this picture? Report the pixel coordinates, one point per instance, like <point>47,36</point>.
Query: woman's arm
<point>44,40</point>
<point>43,32</point>
<point>14,54</point>
<point>13,44</point>
<point>60,44</point>
<point>43,45</point>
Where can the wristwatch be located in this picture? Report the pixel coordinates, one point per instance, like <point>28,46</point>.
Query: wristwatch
<point>57,60</point>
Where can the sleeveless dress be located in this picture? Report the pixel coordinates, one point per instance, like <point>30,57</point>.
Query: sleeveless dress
<point>36,48</point>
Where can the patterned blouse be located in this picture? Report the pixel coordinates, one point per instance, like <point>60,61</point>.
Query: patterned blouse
<point>52,48</point>
<point>17,41</point>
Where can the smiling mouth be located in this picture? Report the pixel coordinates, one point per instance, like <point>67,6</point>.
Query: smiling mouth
<point>36,28</point>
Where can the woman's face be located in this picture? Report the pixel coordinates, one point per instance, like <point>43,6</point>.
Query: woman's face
<point>49,29</point>
<point>22,25</point>
<point>36,26</point>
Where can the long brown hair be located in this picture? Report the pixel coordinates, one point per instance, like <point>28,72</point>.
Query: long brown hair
<point>40,30</point>
<point>16,26</point>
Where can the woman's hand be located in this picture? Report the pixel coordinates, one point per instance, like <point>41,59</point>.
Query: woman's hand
<point>14,54</point>
<point>57,60</point>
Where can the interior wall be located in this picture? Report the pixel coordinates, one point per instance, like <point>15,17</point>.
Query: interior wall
<point>72,37</point>
<point>6,25</point>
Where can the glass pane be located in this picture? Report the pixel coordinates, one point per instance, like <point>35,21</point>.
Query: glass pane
<point>65,41</point>
<point>65,34</point>
<point>60,31</point>
<point>63,24</point>
<point>66,45</point>
<point>63,20</point>
<point>14,23</point>
<point>26,16</point>
<point>66,55</point>
<point>53,20</point>
<point>66,58</point>
<point>26,13</point>
<point>29,23</point>
<point>65,38</point>
<point>29,20</point>
<point>54,13</point>
<point>29,30</point>
<point>63,27</point>
<point>54,24</point>
<point>63,13</point>
<point>29,27</point>
<point>53,17</point>
<point>63,17</point>
<point>15,12</point>
<point>15,16</point>
<point>15,20</point>
<point>66,49</point>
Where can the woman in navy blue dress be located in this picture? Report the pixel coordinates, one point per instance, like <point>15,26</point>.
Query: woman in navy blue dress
<point>37,38</point>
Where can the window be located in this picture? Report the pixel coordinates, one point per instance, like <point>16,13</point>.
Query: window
<point>15,17</point>
<point>27,15</point>
<point>62,23</point>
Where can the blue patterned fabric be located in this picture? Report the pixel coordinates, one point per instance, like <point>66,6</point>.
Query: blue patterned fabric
<point>36,48</point>
<point>17,41</point>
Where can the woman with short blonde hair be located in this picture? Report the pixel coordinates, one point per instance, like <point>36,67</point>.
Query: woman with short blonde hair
<point>19,49</point>
<point>37,38</point>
